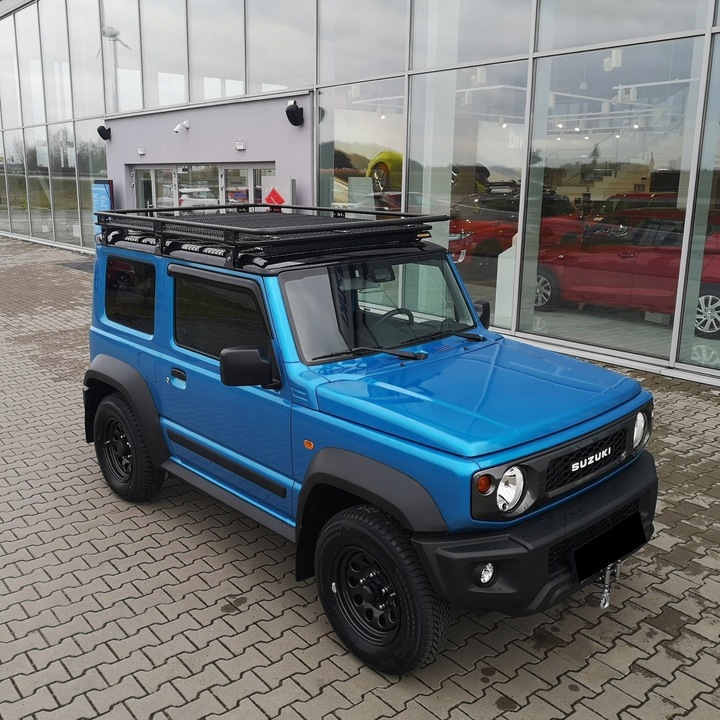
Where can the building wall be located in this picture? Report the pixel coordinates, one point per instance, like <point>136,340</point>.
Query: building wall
<point>211,138</point>
<point>537,125</point>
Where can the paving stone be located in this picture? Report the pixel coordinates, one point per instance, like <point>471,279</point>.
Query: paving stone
<point>115,611</point>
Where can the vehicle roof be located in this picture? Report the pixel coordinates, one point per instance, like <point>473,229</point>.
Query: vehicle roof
<point>255,235</point>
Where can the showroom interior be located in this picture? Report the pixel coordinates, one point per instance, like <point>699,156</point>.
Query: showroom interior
<point>575,147</point>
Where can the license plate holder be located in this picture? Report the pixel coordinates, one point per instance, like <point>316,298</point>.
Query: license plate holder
<point>614,544</point>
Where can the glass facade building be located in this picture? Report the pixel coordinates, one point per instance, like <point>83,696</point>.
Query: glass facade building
<point>574,146</point>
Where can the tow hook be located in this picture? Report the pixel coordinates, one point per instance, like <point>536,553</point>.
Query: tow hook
<point>610,575</point>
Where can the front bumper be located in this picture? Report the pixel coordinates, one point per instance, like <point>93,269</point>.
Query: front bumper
<point>534,559</point>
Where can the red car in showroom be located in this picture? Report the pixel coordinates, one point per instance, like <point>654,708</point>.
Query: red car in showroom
<point>631,260</point>
<point>483,225</point>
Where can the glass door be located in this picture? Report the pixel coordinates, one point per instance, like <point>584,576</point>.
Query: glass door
<point>155,187</point>
<point>243,183</point>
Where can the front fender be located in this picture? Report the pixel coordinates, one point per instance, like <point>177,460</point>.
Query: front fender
<point>374,482</point>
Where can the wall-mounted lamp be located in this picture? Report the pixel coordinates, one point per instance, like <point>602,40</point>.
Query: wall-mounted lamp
<point>294,114</point>
<point>184,124</point>
<point>103,132</point>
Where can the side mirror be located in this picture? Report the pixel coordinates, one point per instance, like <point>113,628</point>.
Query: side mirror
<point>482,308</point>
<point>242,366</point>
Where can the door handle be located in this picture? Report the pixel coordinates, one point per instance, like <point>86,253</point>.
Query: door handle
<point>178,373</point>
<point>626,255</point>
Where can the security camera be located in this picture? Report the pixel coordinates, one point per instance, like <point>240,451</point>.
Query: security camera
<point>176,129</point>
<point>184,124</point>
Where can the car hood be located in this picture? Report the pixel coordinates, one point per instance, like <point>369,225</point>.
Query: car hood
<point>471,401</point>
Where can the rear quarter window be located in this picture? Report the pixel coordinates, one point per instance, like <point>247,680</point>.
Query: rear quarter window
<point>130,293</point>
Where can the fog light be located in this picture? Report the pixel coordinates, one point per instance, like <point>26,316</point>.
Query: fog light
<point>487,573</point>
<point>639,431</point>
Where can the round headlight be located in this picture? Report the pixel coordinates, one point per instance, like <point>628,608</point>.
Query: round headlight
<point>510,489</point>
<point>639,430</point>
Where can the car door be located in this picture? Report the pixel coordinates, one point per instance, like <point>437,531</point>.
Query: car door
<point>599,269</point>
<point>238,437</point>
<point>658,266</point>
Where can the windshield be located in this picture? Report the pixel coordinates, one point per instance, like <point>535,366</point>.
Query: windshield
<point>344,309</point>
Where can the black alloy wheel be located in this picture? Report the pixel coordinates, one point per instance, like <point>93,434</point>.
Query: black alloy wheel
<point>375,592</point>
<point>121,451</point>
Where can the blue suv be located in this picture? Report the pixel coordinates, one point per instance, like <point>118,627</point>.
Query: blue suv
<point>331,378</point>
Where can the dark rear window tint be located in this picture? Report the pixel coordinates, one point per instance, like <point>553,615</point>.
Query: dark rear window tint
<point>130,293</point>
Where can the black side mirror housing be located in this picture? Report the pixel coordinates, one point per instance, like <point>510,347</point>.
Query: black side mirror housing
<point>482,307</point>
<point>243,366</point>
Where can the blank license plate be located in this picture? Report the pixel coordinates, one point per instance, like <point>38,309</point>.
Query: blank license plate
<point>616,543</point>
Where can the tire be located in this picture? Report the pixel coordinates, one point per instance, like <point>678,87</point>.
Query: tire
<point>380,175</point>
<point>375,592</point>
<point>547,293</point>
<point>122,453</point>
<point>707,315</point>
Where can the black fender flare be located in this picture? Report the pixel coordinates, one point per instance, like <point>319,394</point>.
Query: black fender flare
<point>109,372</point>
<point>336,479</point>
<point>374,482</point>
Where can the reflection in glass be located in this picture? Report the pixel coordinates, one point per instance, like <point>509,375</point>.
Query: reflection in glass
<point>610,134</point>
<point>85,45</point>
<point>568,23</point>
<point>362,140</point>
<point>466,156</point>
<point>91,165</point>
<point>121,55</point>
<point>214,24</point>
<point>30,65</point>
<point>280,44</point>
<point>450,32</point>
<point>361,40</point>
<point>4,210</point>
<point>165,189</point>
<point>16,182</point>
<point>237,186</point>
<point>9,85</point>
<point>64,186</point>
<point>56,59</point>
<point>38,182</point>
<point>164,52</point>
<point>700,332</point>
<point>198,186</point>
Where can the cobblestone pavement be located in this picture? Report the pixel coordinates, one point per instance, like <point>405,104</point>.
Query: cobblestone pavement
<point>181,608</point>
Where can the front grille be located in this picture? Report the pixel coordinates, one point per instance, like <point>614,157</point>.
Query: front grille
<point>559,557</point>
<point>560,473</point>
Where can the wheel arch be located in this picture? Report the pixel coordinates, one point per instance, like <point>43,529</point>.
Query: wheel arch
<point>107,375</point>
<point>337,479</point>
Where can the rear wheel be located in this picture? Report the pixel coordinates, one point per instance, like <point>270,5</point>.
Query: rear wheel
<point>121,451</point>
<point>375,592</point>
<point>547,293</point>
<point>707,316</point>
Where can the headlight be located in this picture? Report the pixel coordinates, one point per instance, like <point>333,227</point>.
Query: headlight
<point>510,489</point>
<point>639,430</point>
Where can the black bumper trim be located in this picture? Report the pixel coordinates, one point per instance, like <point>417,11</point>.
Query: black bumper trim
<point>524,582</point>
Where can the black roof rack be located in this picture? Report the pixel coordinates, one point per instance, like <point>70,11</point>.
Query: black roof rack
<point>261,230</point>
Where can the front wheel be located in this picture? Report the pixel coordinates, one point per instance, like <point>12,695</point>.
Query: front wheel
<point>121,451</point>
<point>375,592</point>
<point>707,316</point>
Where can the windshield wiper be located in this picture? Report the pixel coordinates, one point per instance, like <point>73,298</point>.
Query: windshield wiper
<point>446,333</point>
<point>405,354</point>
<point>470,336</point>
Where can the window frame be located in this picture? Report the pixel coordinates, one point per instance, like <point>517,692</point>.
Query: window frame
<point>250,288</point>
